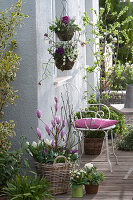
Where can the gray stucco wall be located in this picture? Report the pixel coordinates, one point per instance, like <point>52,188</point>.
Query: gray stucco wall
<point>33,51</point>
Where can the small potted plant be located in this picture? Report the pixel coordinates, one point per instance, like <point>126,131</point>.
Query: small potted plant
<point>93,178</point>
<point>77,181</point>
<point>64,27</point>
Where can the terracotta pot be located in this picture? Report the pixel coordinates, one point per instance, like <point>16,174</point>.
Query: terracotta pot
<point>65,36</point>
<point>93,146</point>
<point>91,189</point>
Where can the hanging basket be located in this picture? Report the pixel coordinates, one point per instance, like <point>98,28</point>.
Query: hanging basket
<point>93,146</point>
<point>65,36</point>
<point>58,174</point>
<point>68,64</point>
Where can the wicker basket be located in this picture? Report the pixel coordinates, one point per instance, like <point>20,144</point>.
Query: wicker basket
<point>58,174</point>
<point>93,146</point>
<point>59,64</point>
<point>65,36</point>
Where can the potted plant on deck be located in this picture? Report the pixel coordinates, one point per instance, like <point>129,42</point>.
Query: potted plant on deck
<point>64,27</point>
<point>53,157</point>
<point>93,178</point>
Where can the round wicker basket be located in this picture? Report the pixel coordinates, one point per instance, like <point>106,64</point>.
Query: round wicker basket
<point>68,65</point>
<point>65,36</point>
<point>58,174</point>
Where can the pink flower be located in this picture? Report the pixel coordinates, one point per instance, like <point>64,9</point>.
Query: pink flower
<point>65,19</point>
<point>62,133</point>
<point>47,129</point>
<point>63,123</point>
<point>83,44</point>
<point>56,107</point>
<point>57,120</point>
<point>58,128</point>
<point>53,123</point>
<point>38,133</point>
<point>38,113</point>
<point>56,99</point>
<point>53,143</point>
<point>44,151</point>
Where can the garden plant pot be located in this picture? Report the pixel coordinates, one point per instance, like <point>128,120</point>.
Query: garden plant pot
<point>59,64</point>
<point>93,146</point>
<point>77,191</point>
<point>65,36</point>
<point>91,189</point>
<point>4,198</point>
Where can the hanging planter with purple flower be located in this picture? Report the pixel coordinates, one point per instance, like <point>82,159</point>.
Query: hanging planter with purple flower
<point>64,27</point>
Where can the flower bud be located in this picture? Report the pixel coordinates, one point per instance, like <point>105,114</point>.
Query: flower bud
<point>53,143</point>
<point>34,144</point>
<point>56,99</point>
<point>57,120</point>
<point>47,129</point>
<point>53,123</point>
<point>56,107</point>
<point>74,151</point>
<point>38,113</point>
<point>38,133</point>
<point>63,123</point>
<point>62,133</point>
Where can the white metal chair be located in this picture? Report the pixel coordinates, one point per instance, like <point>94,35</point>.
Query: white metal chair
<point>90,124</point>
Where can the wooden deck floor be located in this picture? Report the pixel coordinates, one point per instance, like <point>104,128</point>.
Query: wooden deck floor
<point>114,186</point>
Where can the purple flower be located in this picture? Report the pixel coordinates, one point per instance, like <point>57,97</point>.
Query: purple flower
<point>56,99</point>
<point>63,123</point>
<point>38,133</point>
<point>38,113</point>
<point>65,19</point>
<point>53,143</point>
<point>60,51</point>
<point>74,151</point>
<point>53,123</point>
<point>62,133</point>
<point>45,34</point>
<point>58,128</point>
<point>47,129</point>
<point>57,120</point>
<point>56,107</point>
<point>44,151</point>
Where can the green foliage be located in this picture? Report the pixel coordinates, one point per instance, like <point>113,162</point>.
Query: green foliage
<point>125,141</point>
<point>58,26</point>
<point>77,178</point>
<point>6,129</point>
<point>9,166</point>
<point>96,134</point>
<point>44,153</point>
<point>93,176</point>
<point>115,30</point>
<point>25,188</point>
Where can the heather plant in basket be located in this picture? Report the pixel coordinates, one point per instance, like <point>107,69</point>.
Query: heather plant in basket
<point>62,142</point>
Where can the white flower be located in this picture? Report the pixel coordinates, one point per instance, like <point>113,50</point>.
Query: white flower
<point>34,144</point>
<point>47,141</point>
<point>58,29</point>
<point>89,165</point>
<point>27,143</point>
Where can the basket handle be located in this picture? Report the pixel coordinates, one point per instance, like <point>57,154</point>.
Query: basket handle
<point>58,158</point>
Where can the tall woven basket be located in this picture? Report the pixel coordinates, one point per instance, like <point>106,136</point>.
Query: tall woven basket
<point>58,174</point>
<point>93,146</point>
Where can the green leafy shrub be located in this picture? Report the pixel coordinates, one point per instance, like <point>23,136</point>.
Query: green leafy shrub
<point>10,164</point>
<point>24,188</point>
<point>125,141</point>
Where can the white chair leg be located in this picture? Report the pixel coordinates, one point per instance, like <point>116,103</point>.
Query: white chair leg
<point>79,147</point>
<point>113,147</point>
<point>107,150</point>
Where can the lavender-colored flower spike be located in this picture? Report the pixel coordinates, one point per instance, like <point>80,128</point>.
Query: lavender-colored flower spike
<point>56,107</point>
<point>62,133</point>
<point>53,123</point>
<point>53,143</point>
<point>74,151</point>
<point>56,99</point>
<point>57,120</point>
<point>63,123</point>
<point>47,129</point>
<point>39,134</point>
<point>38,113</point>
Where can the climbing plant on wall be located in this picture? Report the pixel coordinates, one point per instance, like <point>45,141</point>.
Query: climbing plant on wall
<point>9,62</point>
